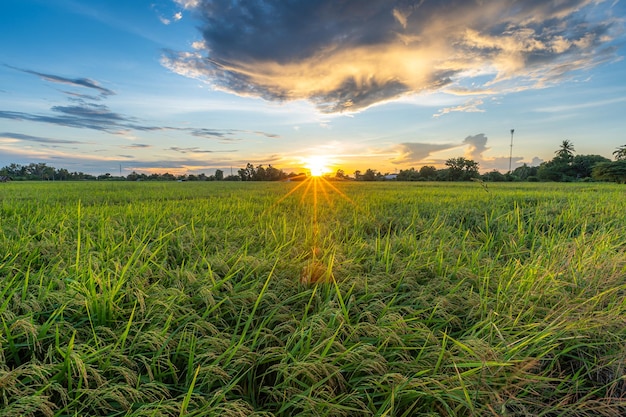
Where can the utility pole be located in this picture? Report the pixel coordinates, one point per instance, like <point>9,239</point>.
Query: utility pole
<point>511,151</point>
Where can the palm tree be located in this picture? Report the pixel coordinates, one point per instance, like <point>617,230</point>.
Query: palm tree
<point>566,151</point>
<point>620,153</point>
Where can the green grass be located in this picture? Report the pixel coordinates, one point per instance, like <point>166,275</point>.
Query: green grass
<point>236,299</point>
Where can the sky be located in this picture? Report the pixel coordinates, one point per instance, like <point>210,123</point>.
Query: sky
<point>191,86</point>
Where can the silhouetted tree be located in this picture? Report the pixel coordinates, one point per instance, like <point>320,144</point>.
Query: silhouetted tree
<point>370,175</point>
<point>620,153</point>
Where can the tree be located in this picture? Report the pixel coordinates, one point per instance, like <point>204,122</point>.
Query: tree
<point>620,153</point>
<point>560,167</point>
<point>370,175</point>
<point>611,171</point>
<point>219,175</point>
<point>408,175</point>
<point>523,172</point>
<point>494,176</point>
<point>274,174</point>
<point>582,165</point>
<point>555,170</point>
<point>63,174</point>
<point>428,173</point>
<point>461,169</point>
<point>247,173</point>
<point>566,151</point>
<point>259,174</point>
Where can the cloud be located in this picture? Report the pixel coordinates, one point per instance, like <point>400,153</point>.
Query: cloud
<point>137,146</point>
<point>75,82</point>
<point>88,116</point>
<point>97,113</point>
<point>475,149</point>
<point>194,150</point>
<point>166,17</point>
<point>469,107</point>
<point>477,146</point>
<point>87,112</point>
<point>97,164</point>
<point>227,135</point>
<point>348,55</point>
<point>413,152</point>
<point>213,133</point>
<point>81,97</point>
<point>188,4</point>
<point>38,139</point>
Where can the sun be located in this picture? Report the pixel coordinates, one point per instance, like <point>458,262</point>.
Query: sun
<point>317,165</point>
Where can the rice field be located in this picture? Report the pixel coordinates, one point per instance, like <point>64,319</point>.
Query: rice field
<point>312,299</point>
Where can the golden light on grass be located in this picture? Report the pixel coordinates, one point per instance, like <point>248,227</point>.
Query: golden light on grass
<point>313,190</point>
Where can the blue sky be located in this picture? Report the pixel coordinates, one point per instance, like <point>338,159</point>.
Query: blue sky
<point>190,86</point>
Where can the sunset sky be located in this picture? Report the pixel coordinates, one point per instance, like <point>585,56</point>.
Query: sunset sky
<point>190,86</point>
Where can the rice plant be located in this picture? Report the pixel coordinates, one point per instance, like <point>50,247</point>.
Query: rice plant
<point>342,299</point>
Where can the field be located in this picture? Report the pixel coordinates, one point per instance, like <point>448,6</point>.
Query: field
<point>285,299</point>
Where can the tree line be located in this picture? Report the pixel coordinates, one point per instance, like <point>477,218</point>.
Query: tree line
<point>44,172</point>
<point>565,166</point>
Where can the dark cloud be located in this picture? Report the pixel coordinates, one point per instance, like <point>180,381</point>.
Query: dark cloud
<point>351,54</point>
<point>38,139</point>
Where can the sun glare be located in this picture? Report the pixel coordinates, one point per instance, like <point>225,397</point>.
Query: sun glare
<point>317,165</point>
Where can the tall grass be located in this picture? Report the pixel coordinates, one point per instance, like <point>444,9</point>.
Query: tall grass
<point>389,299</point>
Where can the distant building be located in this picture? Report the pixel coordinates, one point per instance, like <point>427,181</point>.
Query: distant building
<point>391,177</point>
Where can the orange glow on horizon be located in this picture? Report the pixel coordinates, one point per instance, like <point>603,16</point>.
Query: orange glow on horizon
<point>317,165</point>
